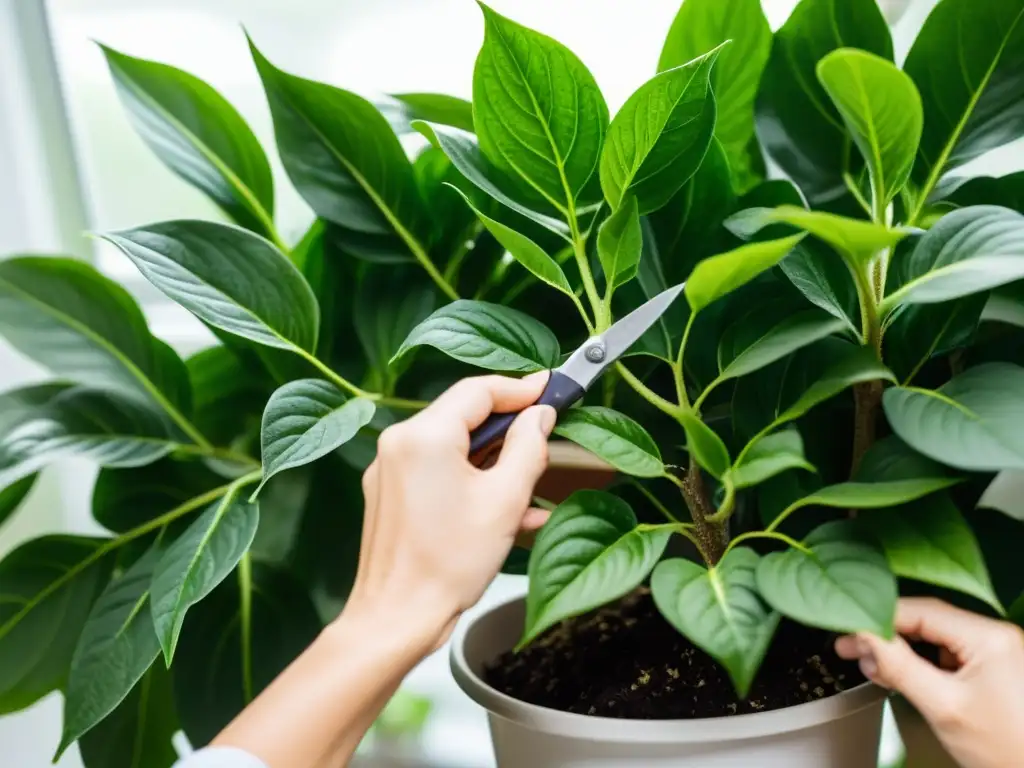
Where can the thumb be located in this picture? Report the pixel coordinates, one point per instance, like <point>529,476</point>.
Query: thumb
<point>524,455</point>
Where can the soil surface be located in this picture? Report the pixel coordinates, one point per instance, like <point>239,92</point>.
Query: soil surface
<point>625,660</point>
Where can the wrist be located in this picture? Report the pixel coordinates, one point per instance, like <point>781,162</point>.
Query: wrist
<point>413,627</point>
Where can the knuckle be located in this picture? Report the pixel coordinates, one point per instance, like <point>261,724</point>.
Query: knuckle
<point>1007,638</point>
<point>394,440</point>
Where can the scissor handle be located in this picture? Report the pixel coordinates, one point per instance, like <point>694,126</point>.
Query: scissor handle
<point>561,392</point>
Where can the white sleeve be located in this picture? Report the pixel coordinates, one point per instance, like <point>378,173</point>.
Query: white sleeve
<point>220,757</point>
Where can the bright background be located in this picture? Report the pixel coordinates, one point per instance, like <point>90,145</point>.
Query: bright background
<point>70,162</point>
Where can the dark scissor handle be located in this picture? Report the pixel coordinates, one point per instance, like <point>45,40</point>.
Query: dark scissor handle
<point>561,392</point>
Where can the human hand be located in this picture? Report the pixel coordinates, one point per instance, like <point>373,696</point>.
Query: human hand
<point>437,529</point>
<point>975,701</point>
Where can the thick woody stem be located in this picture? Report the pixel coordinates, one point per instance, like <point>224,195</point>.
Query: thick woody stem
<point>867,400</point>
<point>713,537</point>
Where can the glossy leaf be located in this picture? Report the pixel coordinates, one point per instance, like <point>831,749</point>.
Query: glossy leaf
<point>13,495</point>
<point>769,456</point>
<point>538,113</point>
<point>488,336</point>
<point>966,252</point>
<point>843,585</point>
<point>698,27</point>
<point>720,610</point>
<point>86,328</point>
<point>930,541</point>
<point>524,250</point>
<point>705,445</point>
<point>881,109</point>
<point>861,495</point>
<point>619,245</point>
<point>432,107</point>
<point>1006,305</point>
<point>797,122</point>
<point>720,275</point>
<point>1007,191</point>
<point>968,63</point>
<point>613,437</point>
<point>892,459</point>
<point>197,562</point>
<point>227,277</point>
<point>973,422</point>
<point>304,421</point>
<point>824,280</point>
<point>50,584</point>
<point>590,552</point>
<point>797,331</point>
<point>658,139</point>
<point>199,136</point>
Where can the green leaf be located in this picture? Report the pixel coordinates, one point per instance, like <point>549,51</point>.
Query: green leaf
<point>968,63</point>
<point>590,552</point>
<point>892,459</point>
<point>720,275</point>
<point>13,495</point>
<point>856,240</point>
<point>86,328</point>
<point>524,250</point>
<point>304,421</point>
<point>930,541</point>
<point>97,426</point>
<point>227,277</point>
<point>1007,191</point>
<point>464,152</point>
<point>966,252</point>
<point>487,335</point>
<point>972,422</point>
<point>432,107</point>
<point>199,136</point>
<point>197,562</point>
<point>660,136</point>
<point>857,495</point>
<point>139,731</point>
<point>881,109</point>
<point>229,393</point>
<point>842,585</point>
<point>824,280</point>
<point>793,333</point>
<point>1005,305</point>
<point>699,26</point>
<point>613,437</point>
<point>720,610</point>
<point>705,445</point>
<point>232,647</point>
<point>620,242</point>
<point>796,120</point>
<point>49,586</point>
<point>769,456</point>
<point>116,647</point>
<point>538,113</point>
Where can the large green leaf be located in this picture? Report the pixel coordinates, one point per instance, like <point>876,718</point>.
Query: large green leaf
<point>968,63</point>
<point>1007,191</point>
<point>13,495</point>
<point>589,553</point>
<point>197,562</point>
<point>719,610</point>
<point>304,421</point>
<point>892,459</point>
<point>487,335</point>
<point>843,584</point>
<point>538,113</point>
<point>660,136</point>
<point>973,422</point>
<point>230,393</point>
<point>235,643</point>
<point>614,437</point>
<point>199,136</point>
<point>704,445</point>
<point>699,26</point>
<point>881,109</point>
<point>793,333</point>
<point>233,280</point>
<point>877,495</point>
<point>402,109</point>
<point>797,122</point>
<point>966,252</point>
<point>719,275</point>
<point>766,457</point>
<point>824,280</point>
<point>139,731</point>
<point>620,242</point>
<point>116,647</point>
<point>930,541</point>
<point>49,586</point>
<point>86,328</point>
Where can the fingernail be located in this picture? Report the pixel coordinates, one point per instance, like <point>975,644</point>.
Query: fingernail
<point>868,666</point>
<point>547,419</point>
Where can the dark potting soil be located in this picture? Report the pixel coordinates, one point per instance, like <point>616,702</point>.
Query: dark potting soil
<point>625,660</point>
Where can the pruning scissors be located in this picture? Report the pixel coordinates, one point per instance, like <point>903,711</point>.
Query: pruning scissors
<point>571,380</point>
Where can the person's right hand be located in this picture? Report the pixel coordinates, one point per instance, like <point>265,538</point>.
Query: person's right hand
<point>975,701</point>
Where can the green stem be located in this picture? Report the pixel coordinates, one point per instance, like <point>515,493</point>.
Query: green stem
<point>469,236</point>
<point>851,185</point>
<point>543,503</point>
<point>424,259</point>
<point>677,369</point>
<point>725,511</point>
<point>707,391</point>
<point>646,393</point>
<point>225,454</point>
<point>245,622</point>
<point>579,249</point>
<point>657,502</point>
<point>768,535</point>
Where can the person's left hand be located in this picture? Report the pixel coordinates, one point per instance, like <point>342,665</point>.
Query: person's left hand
<point>437,529</point>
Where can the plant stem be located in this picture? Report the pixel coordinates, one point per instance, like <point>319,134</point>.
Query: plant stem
<point>245,623</point>
<point>579,249</point>
<point>396,402</point>
<point>647,393</point>
<point>867,400</point>
<point>767,535</point>
<point>657,503</point>
<point>724,512</point>
<point>677,369</point>
<point>225,454</point>
<point>466,242</point>
<point>712,537</point>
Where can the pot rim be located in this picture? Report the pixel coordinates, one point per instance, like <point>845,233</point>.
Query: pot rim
<point>609,729</point>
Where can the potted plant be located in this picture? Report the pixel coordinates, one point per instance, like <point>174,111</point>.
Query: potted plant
<point>803,438</point>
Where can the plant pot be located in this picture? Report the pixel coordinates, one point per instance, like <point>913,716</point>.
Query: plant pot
<point>842,731</point>
<point>923,748</point>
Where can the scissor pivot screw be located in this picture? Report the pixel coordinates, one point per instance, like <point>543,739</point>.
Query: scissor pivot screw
<point>595,353</point>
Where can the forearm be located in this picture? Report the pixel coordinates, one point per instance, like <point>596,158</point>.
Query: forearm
<point>316,712</point>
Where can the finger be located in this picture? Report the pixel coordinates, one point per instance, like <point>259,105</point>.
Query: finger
<point>939,623</point>
<point>472,400</point>
<point>524,456</point>
<point>533,521</point>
